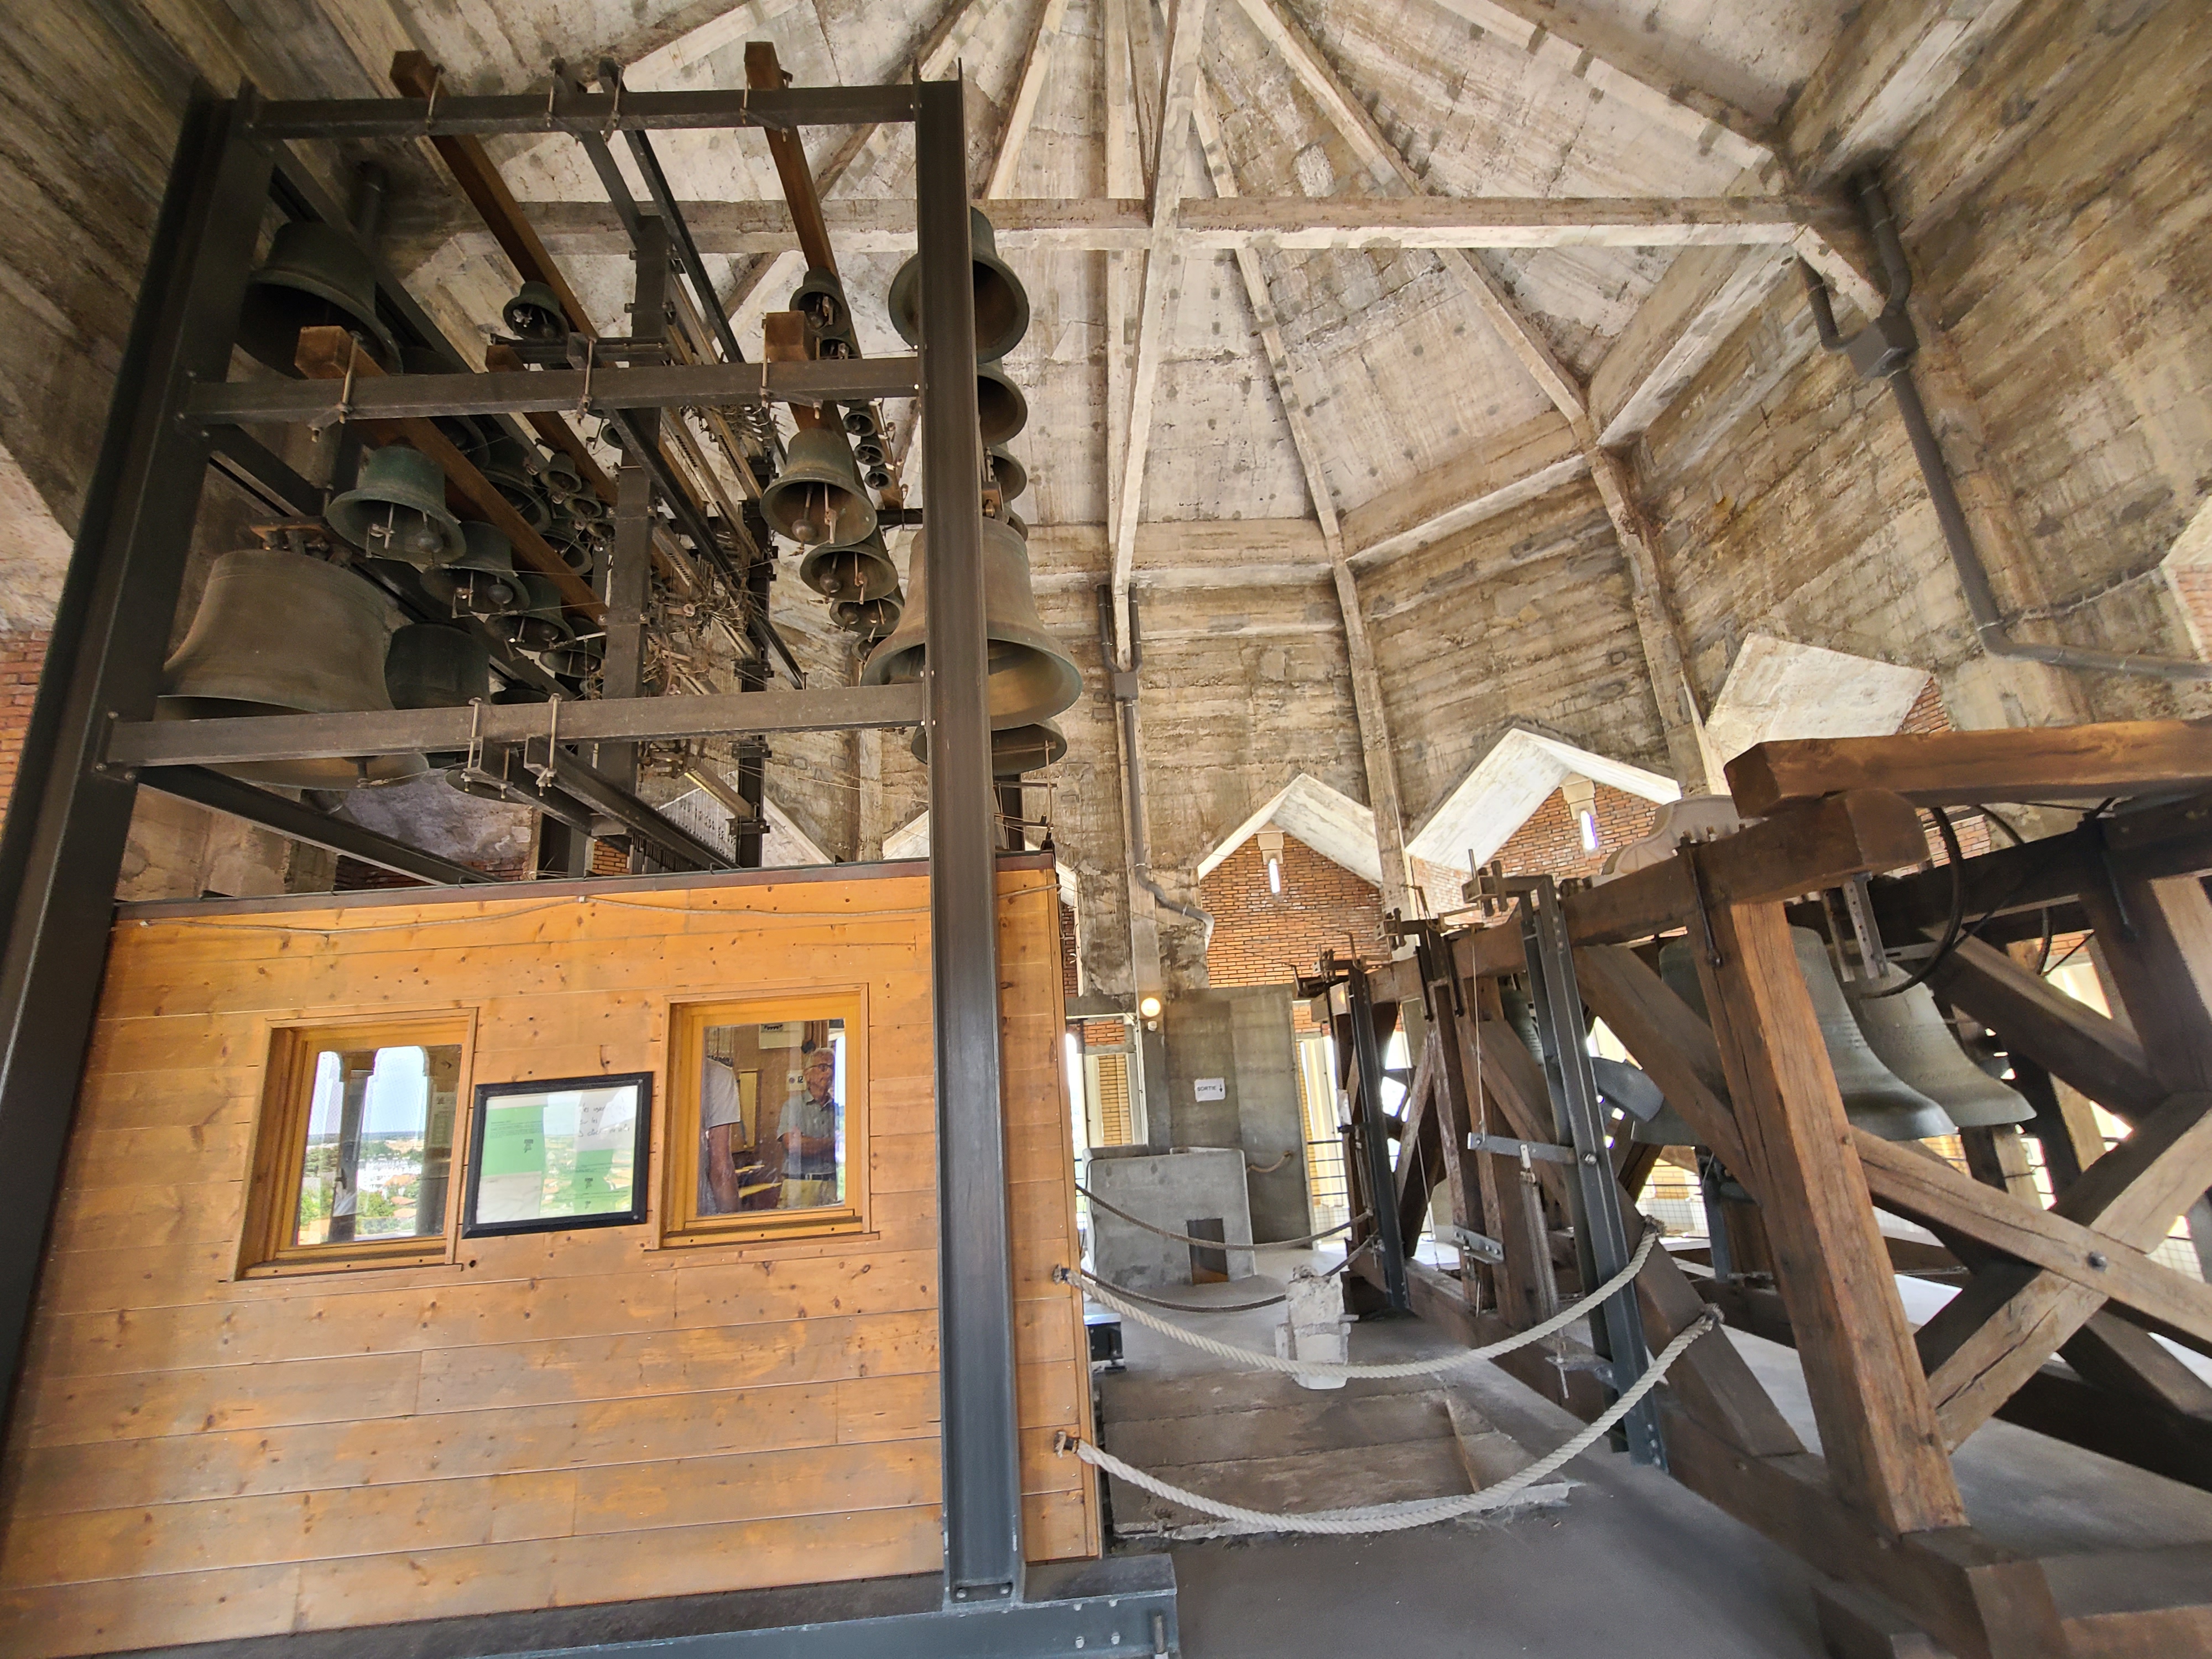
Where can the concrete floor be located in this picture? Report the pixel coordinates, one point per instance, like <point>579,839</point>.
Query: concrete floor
<point>1633,1563</point>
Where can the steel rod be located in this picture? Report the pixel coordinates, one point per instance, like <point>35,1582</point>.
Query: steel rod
<point>625,720</point>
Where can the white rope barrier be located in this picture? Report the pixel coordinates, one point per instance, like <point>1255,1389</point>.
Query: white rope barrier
<point>1100,1290</point>
<point>1400,1518</point>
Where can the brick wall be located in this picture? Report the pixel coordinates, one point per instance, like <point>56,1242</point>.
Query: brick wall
<point>22,654</point>
<point>1551,842</point>
<point>1263,938</point>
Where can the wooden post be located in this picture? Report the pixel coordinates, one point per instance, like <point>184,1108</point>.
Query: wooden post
<point>1877,1429</point>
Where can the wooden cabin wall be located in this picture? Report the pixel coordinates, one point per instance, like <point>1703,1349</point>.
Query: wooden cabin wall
<point>554,1419</point>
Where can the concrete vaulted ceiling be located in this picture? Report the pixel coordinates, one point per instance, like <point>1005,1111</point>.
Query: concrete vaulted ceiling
<point>1399,369</point>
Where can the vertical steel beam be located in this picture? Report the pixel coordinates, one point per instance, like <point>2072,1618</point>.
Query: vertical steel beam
<point>1374,1134</point>
<point>62,846</point>
<point>752,676</point>
<point>1601,1228</point>
<point>629,563</point>
<point>975,1318</point>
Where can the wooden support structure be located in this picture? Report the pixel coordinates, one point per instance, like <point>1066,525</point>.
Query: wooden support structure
<point>1879,1510</point>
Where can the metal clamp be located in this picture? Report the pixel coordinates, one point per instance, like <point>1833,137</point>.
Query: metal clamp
<point>1506,1146</point>
<point>545,773</point>
<point>1473,1243</point>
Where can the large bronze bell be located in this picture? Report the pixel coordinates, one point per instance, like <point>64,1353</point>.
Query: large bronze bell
<point>430,666</point>
<point>1874,1099</point>
<point>279,633</point>
<point>858,573</point>
<point>1909,1033</point>
<point>1017,750</point>
<point>398,510</point>
<point>1002,304</point>
<point>315,276</point>
<point>1001,411</point>
<point>817,500</point>
<point>1032,677</point>
<point>1651,1120</point>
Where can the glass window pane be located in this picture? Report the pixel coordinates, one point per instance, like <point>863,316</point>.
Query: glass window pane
<point>560,1153</point>
<point>772,1117</point>
<point>379,1157</point>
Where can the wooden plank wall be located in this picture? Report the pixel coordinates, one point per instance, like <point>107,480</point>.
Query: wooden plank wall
<point>551,1419</point>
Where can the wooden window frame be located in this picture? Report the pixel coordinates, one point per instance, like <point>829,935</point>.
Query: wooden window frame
<point>680,1222</point>
<point>272,1195</point>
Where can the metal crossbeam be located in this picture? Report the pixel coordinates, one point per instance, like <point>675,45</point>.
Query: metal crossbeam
<point>303,823</point>
<point>625,720</point>
<point>577,114</point>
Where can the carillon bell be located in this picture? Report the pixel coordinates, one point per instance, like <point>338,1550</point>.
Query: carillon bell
<point>868,451</point>
<point>1002,304</point>
<point>563,481</point>
<point>279,633</point>
<point>315,276</point>
<point>430,666</point>
<point>507,468</point>
<point>481,581</point>
<point>1909,1033</point>
<point>541,623</point>
<point>860,573</point>
<point>1008,473</point>
<point>818,500</point>
<point>820,302</point>
<point>577,659</point>
<point>1001,411</point>
<point>1017,750</point>
<point>398,510</point>
<point>1874,1099</point>
<point>535,313</point>
<point>861,424</point>
<point>1032,677</point>
<point>872,619</point>
<point>567,538</point>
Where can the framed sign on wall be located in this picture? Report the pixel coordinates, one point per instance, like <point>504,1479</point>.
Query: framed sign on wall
<point>551,1157</point>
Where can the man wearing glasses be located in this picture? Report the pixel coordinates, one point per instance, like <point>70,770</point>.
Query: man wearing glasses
<point>808,1134</point>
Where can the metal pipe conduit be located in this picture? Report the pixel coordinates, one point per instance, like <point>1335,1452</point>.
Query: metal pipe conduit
<point>1124,683</point>
<point>1884,350</point>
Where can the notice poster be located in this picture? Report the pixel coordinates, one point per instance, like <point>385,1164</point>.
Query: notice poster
<point>558,1154</point>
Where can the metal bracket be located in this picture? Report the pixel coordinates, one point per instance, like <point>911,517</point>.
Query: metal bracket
<point>1506,1146</point>
<point>1475,1244</point>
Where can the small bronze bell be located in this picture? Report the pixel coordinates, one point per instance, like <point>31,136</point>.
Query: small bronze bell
<point>1909,1033</point>
<point>541,623</point>
<point>481,581</point>
<point>872,619</point>
<point>820,302</point>
<point>1002,304</point>
<point>1032,677</point>
<point>1007,472</point>
<point>576,658</point>
<point>860,422</point>
<point>562,478</point>
<point>398,510</point>
<point>1017,750</point>
<point>535,313</point>
<point>507,468</point>
<point>279,633</point>
<point>860,573</point>
<point>868,451</point>
<point>818,500</point>
<point>315,276</point>
<point>1001,411</point>
<point>430,666</point>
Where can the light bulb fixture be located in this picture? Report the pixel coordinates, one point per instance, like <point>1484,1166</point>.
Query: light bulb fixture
<point>1149,1007</point>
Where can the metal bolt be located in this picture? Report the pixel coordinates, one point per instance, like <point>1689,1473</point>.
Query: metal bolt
<point>1589,1157</point>
<point>2097,1261</point>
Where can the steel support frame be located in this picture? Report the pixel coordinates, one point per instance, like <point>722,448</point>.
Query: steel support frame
<point>1602,1245</point>
<point>91,732</point>
<point>301,822</point>
<point>1371,1129</point>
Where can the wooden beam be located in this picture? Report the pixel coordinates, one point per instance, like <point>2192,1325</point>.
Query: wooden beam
<point>1698,302</point>
<point>1913,1182</point>
<point>1667,1039</point>
<point>1160,266</point>
<point>325,354</point>
<point>788,151</point>
<point>478,176</point>
<point>1960,768</point>
<point>1486,478</point>
<point>1036,63</point>
<point>2013,1317</point>
<point>1878,1426</point>
<point>2069,1039</point>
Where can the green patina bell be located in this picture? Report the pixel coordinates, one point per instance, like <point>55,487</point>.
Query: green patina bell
<point>398,510</point>
<point>535,313</point>
<point>1002,304</point>
<point>315,276</point>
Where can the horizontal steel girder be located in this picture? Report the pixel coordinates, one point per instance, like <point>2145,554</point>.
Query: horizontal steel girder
<point>577,113</point>
<point>557,391</point>
<point>626,719</point>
